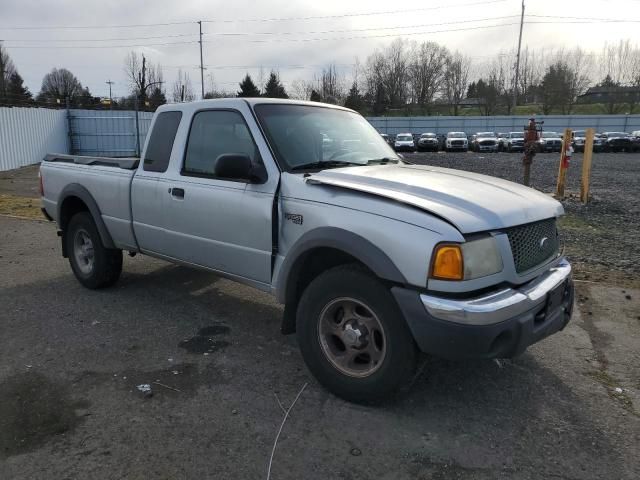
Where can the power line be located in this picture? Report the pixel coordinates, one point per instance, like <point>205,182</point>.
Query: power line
<point>99,39</point>
<point>356,14</point>
<point>246,20</point>
<point>244,34</point>
<point>101,46</point>
<point>307,32</point>
<point>480,27</point>
<point>595,19</point>
<point>93,27</point>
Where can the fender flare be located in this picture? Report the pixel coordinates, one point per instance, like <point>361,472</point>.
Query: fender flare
<point>77,190</point>
<point>351,243</point>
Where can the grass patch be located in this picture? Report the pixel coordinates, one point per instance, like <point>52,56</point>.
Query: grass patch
<point>24,207</point>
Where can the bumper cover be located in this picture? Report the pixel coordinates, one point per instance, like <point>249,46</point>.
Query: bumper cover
<point>501,324</point>
<point>405,148</point>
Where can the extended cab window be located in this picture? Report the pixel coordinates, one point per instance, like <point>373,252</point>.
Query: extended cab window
<point>156,158</point>
<point>214,133</point>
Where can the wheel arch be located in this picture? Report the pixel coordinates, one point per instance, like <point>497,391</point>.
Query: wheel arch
<point>319,250</point>
<point>75,198</point>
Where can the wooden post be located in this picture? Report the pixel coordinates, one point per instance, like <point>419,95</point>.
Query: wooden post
<point>564,163</point>
<point>586,165</point>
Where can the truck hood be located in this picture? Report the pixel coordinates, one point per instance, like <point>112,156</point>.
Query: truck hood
<point>469,201</point>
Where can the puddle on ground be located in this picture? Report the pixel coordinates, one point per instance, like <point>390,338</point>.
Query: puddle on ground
<point>205,341</point>
<point>33,410</point>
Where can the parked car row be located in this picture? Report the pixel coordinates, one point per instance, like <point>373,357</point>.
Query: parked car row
<point>549,141</point>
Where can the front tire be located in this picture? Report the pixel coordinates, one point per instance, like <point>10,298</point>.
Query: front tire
<point>94,265</point>
<point>353,336</point>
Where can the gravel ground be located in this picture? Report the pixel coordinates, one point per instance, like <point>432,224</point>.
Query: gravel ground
<point>610,219</point>
<point>71,360</point>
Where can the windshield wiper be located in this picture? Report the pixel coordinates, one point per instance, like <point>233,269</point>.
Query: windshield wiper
<point>323,164</point>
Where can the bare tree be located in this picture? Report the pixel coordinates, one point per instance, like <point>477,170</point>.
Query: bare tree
<point>60,84</point>
<point>456,80</point>
<point>301,89</point>
<point>426,72</point>
<point>7,69</point>
<point>580,65</point>
<point>142,76</point>
<point>634,81</point>
<point>531,72</point>
<point>616,61</point>
<point>330,85</point>
<point>615,72</point>
<point>182,88</point>
<point>387,74</point>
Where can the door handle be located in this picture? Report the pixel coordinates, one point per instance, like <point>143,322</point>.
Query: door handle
<point>177,192</point>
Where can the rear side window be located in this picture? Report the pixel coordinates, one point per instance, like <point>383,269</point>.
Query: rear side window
<point>156,158</point>
<point>214,133</point>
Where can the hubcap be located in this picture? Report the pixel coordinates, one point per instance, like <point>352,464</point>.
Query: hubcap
<point>83,251</point>
<point>351,337</point>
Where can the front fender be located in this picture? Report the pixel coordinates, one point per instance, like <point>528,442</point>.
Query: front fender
<point>332,237</point>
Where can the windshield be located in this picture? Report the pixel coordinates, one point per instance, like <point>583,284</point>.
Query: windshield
<point>428,135</point>
<point>617,134</point>
<point>486,134</point>
<point>550,134</point>
<point>296,134</point>
<point>516,135</point>
<point>456,135</point>
<point>579,133</point>
<point>404,138</point>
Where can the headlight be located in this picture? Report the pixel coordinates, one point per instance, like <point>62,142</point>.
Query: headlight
<point>481,258</point>
<point>466,261</point>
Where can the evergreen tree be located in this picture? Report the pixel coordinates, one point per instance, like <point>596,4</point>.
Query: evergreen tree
<point>472,91</point>
<point>315,96</point>
<point>354,99</point>
<point>17,92</point>
<point>157,98</point>
<point>273,88</point>
<point>248,88</point>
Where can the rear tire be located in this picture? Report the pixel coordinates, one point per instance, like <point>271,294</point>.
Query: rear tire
<point>94,265</point>
<point>353,336</point>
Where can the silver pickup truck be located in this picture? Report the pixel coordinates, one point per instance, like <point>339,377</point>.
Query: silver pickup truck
<point>373,258</point>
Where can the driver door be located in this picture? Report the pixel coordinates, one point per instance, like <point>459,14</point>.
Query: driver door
<point>221,224</point>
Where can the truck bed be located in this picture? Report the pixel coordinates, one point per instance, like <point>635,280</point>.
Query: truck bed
<point>108,182</point>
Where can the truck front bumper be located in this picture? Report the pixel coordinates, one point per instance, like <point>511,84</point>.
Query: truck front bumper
<point>500,324</point>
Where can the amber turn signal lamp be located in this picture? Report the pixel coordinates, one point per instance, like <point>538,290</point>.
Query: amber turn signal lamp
<point>447,263</point>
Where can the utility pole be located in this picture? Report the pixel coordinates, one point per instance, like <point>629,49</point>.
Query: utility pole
<point>109,82</point>
<point>201,64</point>
<point>515,85</point>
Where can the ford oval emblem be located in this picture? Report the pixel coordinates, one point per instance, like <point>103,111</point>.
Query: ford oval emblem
<point>543,241</point>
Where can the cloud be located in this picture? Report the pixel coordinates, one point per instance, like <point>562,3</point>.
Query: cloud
<point>96,65</point>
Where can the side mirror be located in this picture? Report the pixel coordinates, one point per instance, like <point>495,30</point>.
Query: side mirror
<point>237,166</point>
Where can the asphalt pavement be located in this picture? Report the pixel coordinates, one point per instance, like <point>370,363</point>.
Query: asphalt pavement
<point>71,361</point>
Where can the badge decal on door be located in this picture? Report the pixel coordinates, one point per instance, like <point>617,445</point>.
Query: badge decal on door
<point>294,217</point>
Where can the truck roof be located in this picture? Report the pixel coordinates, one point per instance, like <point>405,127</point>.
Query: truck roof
<point>251,101</point>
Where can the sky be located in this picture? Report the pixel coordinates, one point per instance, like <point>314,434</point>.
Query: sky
<point>241,36</point>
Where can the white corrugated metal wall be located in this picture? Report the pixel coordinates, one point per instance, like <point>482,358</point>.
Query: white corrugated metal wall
<point>28,134</point>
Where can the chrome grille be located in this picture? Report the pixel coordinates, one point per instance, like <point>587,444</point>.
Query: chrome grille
<point>457,142</point>
<point>528,247</point>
